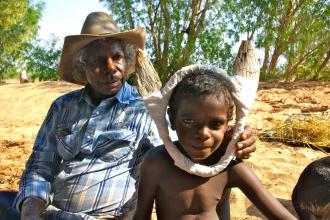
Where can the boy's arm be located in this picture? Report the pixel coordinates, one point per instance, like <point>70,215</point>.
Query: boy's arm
<point>148,183</point>
<point>243,177</point>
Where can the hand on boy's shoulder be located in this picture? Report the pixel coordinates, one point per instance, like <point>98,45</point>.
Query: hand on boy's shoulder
<point>246,145</point>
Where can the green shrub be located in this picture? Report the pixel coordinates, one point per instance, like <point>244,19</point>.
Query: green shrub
<point>42,60</point>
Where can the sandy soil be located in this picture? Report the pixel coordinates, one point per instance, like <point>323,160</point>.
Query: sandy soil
<point>24,106</point>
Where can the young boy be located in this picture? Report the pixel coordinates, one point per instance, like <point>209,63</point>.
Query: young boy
<point>199,110</point>
<point>311,194</point>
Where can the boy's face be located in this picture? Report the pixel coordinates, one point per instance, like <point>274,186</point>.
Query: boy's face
<point>200,124</point>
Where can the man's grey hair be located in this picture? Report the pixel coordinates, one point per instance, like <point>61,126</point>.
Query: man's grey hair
<point>80,59</point>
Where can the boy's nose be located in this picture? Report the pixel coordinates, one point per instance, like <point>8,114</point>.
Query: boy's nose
<point>203,133</point>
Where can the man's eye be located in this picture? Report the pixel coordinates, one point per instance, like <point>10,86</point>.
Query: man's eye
<point>101,61</point>
<point>98,62</point>
<point>117,56</point>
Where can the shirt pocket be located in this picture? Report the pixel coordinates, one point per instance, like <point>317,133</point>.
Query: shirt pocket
<point>113,145</point>
<point>68,141</point>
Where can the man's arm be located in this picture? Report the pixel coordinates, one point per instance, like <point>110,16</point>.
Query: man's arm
<point>148,182</point>
<point>245,146</point>
<point>244,178</point>
<point>35,183</point>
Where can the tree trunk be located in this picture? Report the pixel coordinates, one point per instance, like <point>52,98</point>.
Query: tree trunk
<point>291,72</point>
<point>324,63</point>
<point>265,63</point>
<point>129,14</point>
<point>273,62</point>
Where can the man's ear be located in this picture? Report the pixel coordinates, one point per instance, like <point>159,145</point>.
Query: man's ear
<point>171,117</point>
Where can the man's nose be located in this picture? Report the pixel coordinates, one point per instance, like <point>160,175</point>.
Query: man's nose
<point>110,64</point>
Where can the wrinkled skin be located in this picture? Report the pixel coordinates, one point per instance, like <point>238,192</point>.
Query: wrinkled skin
<point>106,69</point>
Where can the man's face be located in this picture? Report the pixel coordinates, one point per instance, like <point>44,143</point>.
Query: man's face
<point>106,67</point>
<point>200,124</point>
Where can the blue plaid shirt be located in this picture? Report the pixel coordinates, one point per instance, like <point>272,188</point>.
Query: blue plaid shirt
<point>85,160</point>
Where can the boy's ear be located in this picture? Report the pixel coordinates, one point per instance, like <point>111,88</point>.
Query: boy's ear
<point>171,117</point>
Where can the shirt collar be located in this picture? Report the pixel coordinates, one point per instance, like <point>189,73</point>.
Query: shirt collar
<point>126,94</point>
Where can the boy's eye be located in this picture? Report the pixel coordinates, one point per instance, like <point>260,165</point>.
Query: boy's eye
<point>188,121</point>
<point>217,124</point>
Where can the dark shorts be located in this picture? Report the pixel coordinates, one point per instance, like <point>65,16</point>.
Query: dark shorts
<point>7,211</point>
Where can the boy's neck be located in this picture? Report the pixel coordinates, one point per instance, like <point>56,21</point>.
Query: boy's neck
<point>212,159</point>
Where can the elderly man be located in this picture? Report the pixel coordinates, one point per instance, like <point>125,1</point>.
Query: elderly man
<point>85,160</point>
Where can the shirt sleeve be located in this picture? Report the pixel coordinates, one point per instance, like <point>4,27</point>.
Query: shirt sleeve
<point>153,135</point>
<point>39,170</point>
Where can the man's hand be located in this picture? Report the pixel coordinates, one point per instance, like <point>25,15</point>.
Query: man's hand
<point>245,146</point>
<point>32,208</point>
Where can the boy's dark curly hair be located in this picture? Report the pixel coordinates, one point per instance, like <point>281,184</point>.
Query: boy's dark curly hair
<point>202,83</point>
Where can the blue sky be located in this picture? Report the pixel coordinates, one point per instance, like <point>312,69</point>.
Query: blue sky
<point>66,17</point>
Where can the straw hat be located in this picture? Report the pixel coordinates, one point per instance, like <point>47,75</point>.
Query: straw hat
<point>96,26</point>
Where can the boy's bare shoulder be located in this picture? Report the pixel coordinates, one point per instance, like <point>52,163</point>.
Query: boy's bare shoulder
<point>158,156</point>
<point>239,174</point>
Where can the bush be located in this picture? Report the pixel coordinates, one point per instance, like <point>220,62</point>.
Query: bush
<point>42,59</point>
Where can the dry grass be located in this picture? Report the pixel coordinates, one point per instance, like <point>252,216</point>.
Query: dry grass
<point>309,129</point>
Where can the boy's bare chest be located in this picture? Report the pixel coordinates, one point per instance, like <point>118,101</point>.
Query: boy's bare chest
<point>184,191</point>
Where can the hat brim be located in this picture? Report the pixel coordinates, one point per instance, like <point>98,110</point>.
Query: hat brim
<point>73,43</point>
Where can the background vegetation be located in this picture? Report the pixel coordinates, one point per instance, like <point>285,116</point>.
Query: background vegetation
<point>292,35</point>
